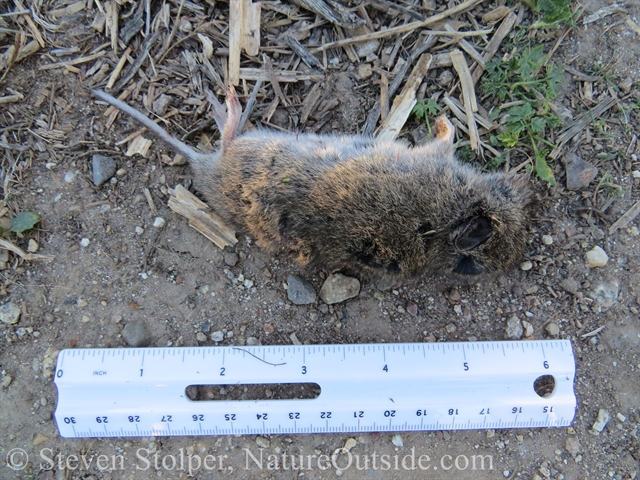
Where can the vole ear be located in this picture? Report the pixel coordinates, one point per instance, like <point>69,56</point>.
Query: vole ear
<point>473,234</point>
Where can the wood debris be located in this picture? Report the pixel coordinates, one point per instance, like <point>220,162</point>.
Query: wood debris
<point>200,217</point>
<point>405,101</point>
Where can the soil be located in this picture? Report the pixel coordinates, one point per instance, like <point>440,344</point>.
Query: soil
<point>179,285</point>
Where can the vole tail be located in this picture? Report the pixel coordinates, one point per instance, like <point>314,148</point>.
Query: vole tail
<point>180,147</point>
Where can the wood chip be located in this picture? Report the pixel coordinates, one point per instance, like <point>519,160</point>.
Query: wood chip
<point>139,145</point>
<point>235,39</point>
<point>251,27</point>
<point>7,245</point>
<point>332,11</point>
<point>580,123</point>
<point>469,94</point>
<point>200,217</point>
<point>410,27</point>
<point>628,217</point>
<point>403,104</point>
<point>253,74</point>
<point>32,26</point>
<point>77,61</point>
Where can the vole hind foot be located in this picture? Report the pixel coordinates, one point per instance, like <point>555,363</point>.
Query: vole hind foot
<point>445,131</point>
<point>234,113</point>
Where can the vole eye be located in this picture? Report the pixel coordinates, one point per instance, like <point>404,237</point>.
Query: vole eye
<point>474,233</point>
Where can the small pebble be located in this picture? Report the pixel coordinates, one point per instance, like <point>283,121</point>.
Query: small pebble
<point>252,342</point>
<point>217,336</point>
<point>6,381</point>
<point>572,445</point>
<point>230,258</point>
<point>338,288</point>
<point>69,176</point>
<point>136,334</point>
<point>10,313</point>
<point>33,246</point>
<point>601,422</point>
<point>596,257</point>
<point>299,291</point>
<point>514,328</point>
<point>412,308</point>
<point>451,328</point>
<point>526,266</point>
<point>103,169</point>
<point>201,337</point>
<point>263,442</point>
<point>139,230</point>
<point>82,303</point>
<point>364,71</point>
<point>547,239</point>
<point>349,444</point>
<point>579,172</point>
<point>248,283</point>
<point>605,294</point>
<point>268,328</point>
<point>85,242</point>
<point>621,417</point>
<point>528,328</point>
<point>552,329</point>
<point>397,441</point>
<point>159,222</point>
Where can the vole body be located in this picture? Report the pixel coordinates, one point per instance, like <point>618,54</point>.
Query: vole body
<point>359,204</point>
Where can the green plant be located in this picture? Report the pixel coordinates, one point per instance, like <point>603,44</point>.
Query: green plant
<point>425,108</point>
<point>530,79</point>
<point>610,188</point>
<point>554,13</point>
<point>22,222</point>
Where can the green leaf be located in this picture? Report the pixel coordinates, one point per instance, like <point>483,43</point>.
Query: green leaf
<point>24,221</point>
<point>286,180</point>
<point>538,124</point>
<point>520,113</point>
<point>508,138</point>
<point>419,109</point>
<point>432,107</point>
<point>544,171</point>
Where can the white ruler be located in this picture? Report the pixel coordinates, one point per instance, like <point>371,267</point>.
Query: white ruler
<point>364,388</point>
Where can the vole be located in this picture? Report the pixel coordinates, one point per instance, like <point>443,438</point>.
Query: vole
<point>359,204</point>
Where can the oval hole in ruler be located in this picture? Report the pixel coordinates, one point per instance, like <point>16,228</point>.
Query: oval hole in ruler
<point>544,385</point>
<point>253,391</point>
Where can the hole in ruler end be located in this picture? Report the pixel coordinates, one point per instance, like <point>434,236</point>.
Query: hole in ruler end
<point>253,391</point>
<point>544,385</point>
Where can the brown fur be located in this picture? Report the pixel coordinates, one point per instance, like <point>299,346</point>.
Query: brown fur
<point>360,204</point>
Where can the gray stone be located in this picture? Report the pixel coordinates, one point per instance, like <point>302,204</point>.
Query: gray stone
<point>514,328</point>
<point>9,313</point>
<point>103,169</point>
<point>528,328</point>
<point>601,422</point>
<point>605,294</point>
<point>412,308</point>
<point>573,445</point>
<point>137,334</point>
<point>571,286</point>
<point>253,342</point>
<point>580,173</point>
<point>338,288</point>
<point>397,441</point>
<point>230,258</point>
<point>300,292</point>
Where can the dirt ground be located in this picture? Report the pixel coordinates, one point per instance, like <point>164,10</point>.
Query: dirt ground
<point>112,267</point>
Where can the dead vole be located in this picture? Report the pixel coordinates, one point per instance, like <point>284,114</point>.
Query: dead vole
<point>359,204</point>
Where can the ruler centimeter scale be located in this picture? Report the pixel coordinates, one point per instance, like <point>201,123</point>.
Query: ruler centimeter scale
<point>363,388</point>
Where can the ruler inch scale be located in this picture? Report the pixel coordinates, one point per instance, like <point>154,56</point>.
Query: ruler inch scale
<point>136,392</point>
